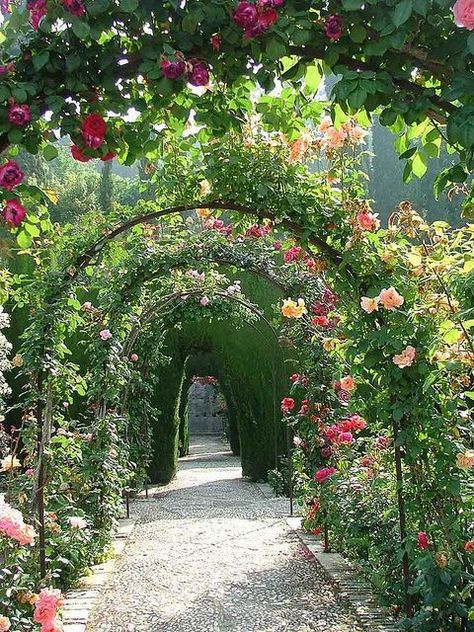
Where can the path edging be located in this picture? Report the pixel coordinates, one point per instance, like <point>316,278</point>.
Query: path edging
<point>353,589</point>
<point>80,601</point>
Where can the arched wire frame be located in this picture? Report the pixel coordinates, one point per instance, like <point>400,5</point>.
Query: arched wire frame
<point>93,253</point>
<point>157,308</point>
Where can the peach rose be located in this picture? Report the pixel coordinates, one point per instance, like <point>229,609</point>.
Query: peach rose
<point>4,624</point>
<point>369,305</point>
<point>347,383</point>
<point>390,298</point>
<point>464,14</point>
<point>405,358</point>
<point>466,459</point>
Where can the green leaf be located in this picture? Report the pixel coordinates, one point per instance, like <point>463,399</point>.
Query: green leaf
<point>312,78</point>
<point>470,43</point>
<point>81,29</point>
<point>39,61</point>
<point>15,136</point>
<point>24,240</point>
<point>128,5</point>
<point>190,22</point>
<point>419,165</point>
<point>19,95</point>
<point>352,5</point>
<point>358,33</point>
<point>402,12</point>
<point>32,230</point>
<point>50,152</point>
<point>275,48</point>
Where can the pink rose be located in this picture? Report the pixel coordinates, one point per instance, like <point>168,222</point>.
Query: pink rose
<point>390,298</point>
<point>105,334</point>
<point>134,357</point>
<point>382,442</point>
<point>292,254</point>
<point>13,212</point>
<point>29,472</point>
<point>345,437</point>
<point>19,114</point>
<point>172,69</point>
<point>464,14</point>
<point>368,221</point>
<point>4,624</point>
<point>10,175</point>
<point>76,7</point>
<point>205,301</point>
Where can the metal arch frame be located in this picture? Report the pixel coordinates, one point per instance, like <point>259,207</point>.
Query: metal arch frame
<point>44,414</point>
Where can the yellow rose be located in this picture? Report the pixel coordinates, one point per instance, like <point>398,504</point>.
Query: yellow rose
<point>203,213</point>
<point>9,463</point>
<point>291,309</point>
<point>18,361</point>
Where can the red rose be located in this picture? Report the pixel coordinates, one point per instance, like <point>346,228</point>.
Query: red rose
<point>199,74</point>
<point>333,27</point>
<point>322,475</point>
<point>423,542</point>
<point>78,155</point>
<point>13,212</point>
<point>172,69</point>
<point>287,404</point>
<point>38,10</point>
<point>216,41</point>
<point>19,114</point>
<point>76,7</point>
<point>110,155</point>
<point>245,14</point>
<point>10,175</point>
<point>93,130</point>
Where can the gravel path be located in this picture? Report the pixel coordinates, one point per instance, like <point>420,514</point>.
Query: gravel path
<point>211,554</point>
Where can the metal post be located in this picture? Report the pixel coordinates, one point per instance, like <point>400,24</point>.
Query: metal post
<point>41,481</point>
<point>326,534</point>
<point>275,412</point>
<point>127,502</point>
<point>290,468</point>
<point>402,524</point>
<point>146,491</point>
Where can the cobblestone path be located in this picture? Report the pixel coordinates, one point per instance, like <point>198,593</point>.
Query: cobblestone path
<point>211,553</point>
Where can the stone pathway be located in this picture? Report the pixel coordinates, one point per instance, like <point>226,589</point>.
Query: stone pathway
<point>211,554</point>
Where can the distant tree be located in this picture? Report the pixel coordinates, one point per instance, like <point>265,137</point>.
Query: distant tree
<point>106,187</point>
<point>387,188</point>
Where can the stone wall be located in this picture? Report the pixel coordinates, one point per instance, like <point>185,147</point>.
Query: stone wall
<point>204,410</point>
